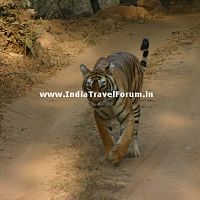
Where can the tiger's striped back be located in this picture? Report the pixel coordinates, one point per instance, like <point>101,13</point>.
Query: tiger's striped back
<point>128,67</point>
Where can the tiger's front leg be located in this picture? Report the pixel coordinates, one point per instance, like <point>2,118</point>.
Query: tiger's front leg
<point>121,147</point>
<point>105,131</point>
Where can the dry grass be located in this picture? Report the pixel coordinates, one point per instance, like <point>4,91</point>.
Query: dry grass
<point>19,74</point>
<point>173,46</point>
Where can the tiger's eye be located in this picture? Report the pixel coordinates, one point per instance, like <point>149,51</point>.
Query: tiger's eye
<point>89,87</point>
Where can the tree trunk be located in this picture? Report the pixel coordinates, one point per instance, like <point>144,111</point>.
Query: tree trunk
<point>132,2</point>
<point>166,3</point>
<point>95,5</point>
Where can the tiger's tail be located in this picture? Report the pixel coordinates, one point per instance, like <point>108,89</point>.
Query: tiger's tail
<point>145,49</point>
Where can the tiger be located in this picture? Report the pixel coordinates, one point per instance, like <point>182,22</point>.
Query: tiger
<point>122,72</point>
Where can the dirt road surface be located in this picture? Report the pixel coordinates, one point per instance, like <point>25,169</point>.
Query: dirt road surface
<point>37,129</point>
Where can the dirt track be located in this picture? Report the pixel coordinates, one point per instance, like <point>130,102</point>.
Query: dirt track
<point>39,129</point>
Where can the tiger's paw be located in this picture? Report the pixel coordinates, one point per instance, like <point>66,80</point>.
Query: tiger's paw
<point>115,155</point>
<point>133,150</point>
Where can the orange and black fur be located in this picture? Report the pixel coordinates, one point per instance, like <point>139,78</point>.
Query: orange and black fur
<point>122,72</point>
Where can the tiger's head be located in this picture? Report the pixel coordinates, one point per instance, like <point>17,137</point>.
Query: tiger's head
<point>98,81</point>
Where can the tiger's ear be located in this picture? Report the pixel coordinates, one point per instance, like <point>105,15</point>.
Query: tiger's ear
<point>84,70</point>
<point>109,69</point>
